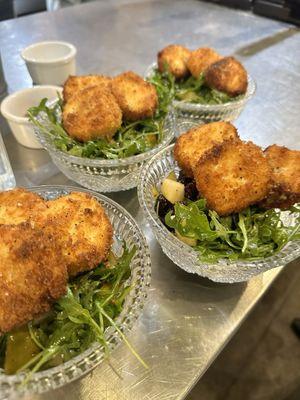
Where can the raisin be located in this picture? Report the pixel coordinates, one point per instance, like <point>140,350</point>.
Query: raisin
<point>163,206</point>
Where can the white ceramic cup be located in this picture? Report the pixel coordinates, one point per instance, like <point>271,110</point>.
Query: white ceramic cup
<point>14,108</point>
<point>51,62</point>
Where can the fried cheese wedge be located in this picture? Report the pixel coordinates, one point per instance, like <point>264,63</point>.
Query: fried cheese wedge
<point>137,98</point>
<point>227,75</point>
<point>285,164</point>
<point>201,59</point>
<point>76,83</point>
<point>232,176</point>
<point>191,146</point>
<point>84,230</point>
<point>33,273</point>
<point>18,205</point>
<point>91,114</point>
<point>174,58</point>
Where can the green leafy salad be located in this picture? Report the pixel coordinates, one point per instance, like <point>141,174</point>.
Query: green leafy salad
<point>131,139</point>
<point>190,90</point>
<point>80,318</point>
<point>251,234</point>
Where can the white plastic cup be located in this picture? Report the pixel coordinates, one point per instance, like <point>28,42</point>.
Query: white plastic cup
<point>51,62</point>
<point>14,109</point>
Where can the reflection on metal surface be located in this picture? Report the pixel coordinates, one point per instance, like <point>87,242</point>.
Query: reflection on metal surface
<point>269,41</point>
<point>187,320</point>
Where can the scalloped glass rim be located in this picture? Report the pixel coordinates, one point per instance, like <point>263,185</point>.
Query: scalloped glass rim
<point>55,377</point>
<point>222,271</point>
<point>47,142</point>
<point>190,107</point>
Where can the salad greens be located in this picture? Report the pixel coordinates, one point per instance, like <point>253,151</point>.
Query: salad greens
<point>248,235</point>
<point>190,90</point>
<point>131,139</point>
<point>80,318</point>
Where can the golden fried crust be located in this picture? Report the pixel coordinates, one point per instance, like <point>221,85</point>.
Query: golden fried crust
<point>136,97</point>
<point>232,176</point>
<point>91,114</point>
<point>33,273</point>
<point>193,144</point>
<point>17,205</point>
<point>227,75</point>
<point>174,57</point>
<point>285,164</point>
<point>84,230</point>
<point>201,59</point>
<point>76,83</point>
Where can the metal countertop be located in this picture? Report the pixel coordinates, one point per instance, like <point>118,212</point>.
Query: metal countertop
<point>187,320</point>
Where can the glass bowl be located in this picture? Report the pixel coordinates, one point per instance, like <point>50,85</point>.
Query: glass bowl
<point>103,175</point>
<point>125,228</point>
<point>185,256</point>
<point>209,112</point>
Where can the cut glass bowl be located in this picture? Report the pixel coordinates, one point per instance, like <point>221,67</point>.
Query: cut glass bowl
<point>101,174</point>
<point>185,256</point>
<point>209,112</point>
<point>125,229</point>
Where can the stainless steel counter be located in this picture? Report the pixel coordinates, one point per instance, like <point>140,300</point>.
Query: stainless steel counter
<point>187,320</point>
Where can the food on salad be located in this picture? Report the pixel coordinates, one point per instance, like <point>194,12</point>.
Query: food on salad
<point>174,58</point>
<point>83,229</point>
<point>208,77</point>
<point>91,114</point>
<point>136,97</point>
<point>191,145</point>
<point>232,176</point>
<point>285,164</point>
<point>221,209</point>
<point>33,273</point>
<point>18,205</point>
<point>61,284</point>
<point>201,59</point>
<point>228,76</point>
<point>105,118</point>
<point>76,83</point>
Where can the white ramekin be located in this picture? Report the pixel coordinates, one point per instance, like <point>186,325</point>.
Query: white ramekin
<point>14,108</point>
<point>50,62</point>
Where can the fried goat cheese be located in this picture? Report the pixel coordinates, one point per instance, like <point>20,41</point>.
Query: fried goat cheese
<point>174,59</point>
<point>76,83</point>
<point>84,230</point>
<point>227,75</point>
<point>33,273</point>
<point>285,164</point>
<point>191,146</point>
<point>92,113</point>
<point>232,176</point>
<point>201,59</point>
<point>18,205</point>
<point>136,97</point>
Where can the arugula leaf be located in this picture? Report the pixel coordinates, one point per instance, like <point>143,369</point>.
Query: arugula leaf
<point>131,139</point>
<point>251,234</point>
<point>190,90</point>
<point>80,318</point>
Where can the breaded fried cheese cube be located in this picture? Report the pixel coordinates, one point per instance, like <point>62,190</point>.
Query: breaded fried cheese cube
<point>232,176</point>
<point>85,231</point>
<point>76,83</point>
<point>33,274</point>
<point>285,164</point>
<point>91,114</point>
<point>191,145</point>
<point>227,75</point>
<point>136,97</point>
<point>174,58</point>
<point>18,205</point>
<point>201,59</point>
